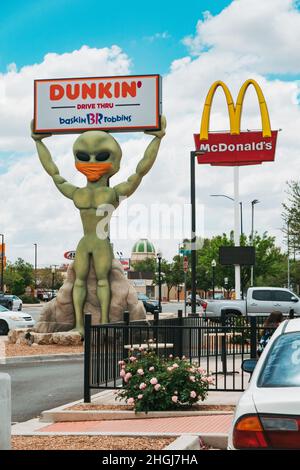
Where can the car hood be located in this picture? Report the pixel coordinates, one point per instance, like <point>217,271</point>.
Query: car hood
<point>281,400</point>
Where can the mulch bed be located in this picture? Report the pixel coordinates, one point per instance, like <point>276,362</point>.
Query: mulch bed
<point>12,350</point>
<point>88,443</point>
<point>96,407</point>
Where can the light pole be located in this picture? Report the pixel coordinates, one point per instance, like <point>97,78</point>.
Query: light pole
<point>2,262</point>
<point>237,267</point>
<point>213,265</point>
<point>255,201</point>
<point>35,269</point>
<point>241,207</point>
<point>159,256</point>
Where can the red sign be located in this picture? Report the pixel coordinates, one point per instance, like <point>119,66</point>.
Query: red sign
<point>69,255</point>
<point>246,148</point>
<point>185,264</point>
<point>125,263</point>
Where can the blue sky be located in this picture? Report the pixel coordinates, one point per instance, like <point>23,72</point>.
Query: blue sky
<point>27,34</point>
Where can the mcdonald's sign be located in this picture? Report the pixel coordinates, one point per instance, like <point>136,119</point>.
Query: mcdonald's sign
<point>235,148</point>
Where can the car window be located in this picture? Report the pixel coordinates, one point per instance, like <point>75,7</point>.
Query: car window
<point>3,309</point>
<point>142,297</point>
<point>282,365</point>
<point>261,294</point>
<point>283,296</point>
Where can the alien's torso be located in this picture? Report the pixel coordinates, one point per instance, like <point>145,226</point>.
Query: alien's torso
<point>87,198</point>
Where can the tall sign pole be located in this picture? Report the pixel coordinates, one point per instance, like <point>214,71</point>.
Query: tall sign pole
<point>193,233</point>
<point>237,268</point>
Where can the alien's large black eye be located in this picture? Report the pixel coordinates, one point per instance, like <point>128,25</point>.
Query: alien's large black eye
<point>82,156</point>
<point>102,156</point>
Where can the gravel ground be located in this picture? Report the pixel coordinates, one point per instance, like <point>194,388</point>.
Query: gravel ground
<point>88,443</point>
<point>39,349</point>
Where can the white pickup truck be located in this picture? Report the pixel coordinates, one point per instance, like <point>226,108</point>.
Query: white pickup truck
<point>259,301</point>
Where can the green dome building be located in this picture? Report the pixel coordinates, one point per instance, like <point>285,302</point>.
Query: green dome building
<point>142,250</point>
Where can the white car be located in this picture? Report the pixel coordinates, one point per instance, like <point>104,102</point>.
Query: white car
<point>10,320</point>
<point>267,415</point>
<point>17,303</point>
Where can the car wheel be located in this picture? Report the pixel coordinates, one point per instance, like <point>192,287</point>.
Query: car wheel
<point>3,328</point>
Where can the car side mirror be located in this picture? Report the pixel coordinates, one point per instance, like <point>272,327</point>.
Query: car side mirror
<point>248,365</point>
<point>295,299</point>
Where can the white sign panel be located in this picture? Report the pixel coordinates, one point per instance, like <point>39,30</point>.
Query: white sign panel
<point>131,103</point>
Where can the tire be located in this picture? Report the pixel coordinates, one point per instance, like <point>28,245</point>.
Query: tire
<point>4,329</point>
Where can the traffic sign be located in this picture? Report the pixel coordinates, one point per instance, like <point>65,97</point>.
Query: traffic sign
<point>70,255</point>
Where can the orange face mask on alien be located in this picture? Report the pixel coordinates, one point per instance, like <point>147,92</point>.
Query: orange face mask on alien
<point>93,171</point>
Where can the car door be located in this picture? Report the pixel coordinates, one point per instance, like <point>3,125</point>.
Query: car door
<point>261,302</point>
<point>283,301</point>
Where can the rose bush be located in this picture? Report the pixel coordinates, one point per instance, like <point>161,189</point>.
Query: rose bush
<point>153,383</point>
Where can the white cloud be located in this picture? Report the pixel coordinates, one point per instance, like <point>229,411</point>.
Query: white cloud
<point>249,38</point>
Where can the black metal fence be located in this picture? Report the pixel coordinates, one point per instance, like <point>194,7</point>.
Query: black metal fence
<point>219,346</point>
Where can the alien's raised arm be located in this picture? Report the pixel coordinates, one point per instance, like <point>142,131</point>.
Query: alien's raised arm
<point>144,166</point>
<point>67,189</point>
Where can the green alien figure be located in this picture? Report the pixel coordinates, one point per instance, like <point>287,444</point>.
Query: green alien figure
<point>97,155</point>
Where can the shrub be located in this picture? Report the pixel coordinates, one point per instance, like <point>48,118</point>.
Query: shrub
<point>27,299</point>
<point>153,383</point>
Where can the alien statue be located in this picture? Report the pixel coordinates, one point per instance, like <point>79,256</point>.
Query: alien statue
<point>97,155</point>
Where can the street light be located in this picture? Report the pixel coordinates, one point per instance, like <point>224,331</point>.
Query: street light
<point>2,263</point>
<point>253,203</point>
<point>159,256</point>
<point>213,265</point>
<point>241,207</point>
<point>35,269</point>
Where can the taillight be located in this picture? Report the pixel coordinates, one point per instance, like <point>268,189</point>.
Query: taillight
<point>248,433</point>
<point>204,305</point>
<point>267,431</point>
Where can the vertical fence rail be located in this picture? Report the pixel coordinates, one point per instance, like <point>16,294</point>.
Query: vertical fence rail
<point>87,357</point>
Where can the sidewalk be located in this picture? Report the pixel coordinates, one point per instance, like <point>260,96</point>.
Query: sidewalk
<point>212,428</point>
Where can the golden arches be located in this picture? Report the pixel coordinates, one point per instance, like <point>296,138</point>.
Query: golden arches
<point>235,111</point>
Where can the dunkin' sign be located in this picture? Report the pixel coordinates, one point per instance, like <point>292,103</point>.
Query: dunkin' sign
<point>127,103</point>
<point>235,148</point>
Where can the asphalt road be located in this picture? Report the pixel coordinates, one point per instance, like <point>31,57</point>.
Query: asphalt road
<point>41,386</point>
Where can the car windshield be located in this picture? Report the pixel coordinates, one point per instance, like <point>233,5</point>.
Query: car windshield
<point>3,309</point>
<point>143,297</point>
<point>282,365</point>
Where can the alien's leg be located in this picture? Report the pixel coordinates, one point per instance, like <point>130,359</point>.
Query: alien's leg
<point>102,261</point>
<point>81,267</point>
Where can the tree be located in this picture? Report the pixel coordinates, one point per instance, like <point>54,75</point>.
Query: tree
<point>291,214</point>
<point>147,265</point>
<point>45,278</point>
<point>18,276</point>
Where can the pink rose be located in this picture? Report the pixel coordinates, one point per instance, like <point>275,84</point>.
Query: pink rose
<point>127,377</point>
<point>175,393</point>
<point>183,358</point>
<point>210,380</point>
<point>170,356</point>
<point>140,371</point>
<point>174,399</point>
<point>151,369</point>
<point>153,381</point>
<point>175,366</point>
<point>122,373</point>
<point>157,387</point>
<point>193,394</point>
<point>170,369</point>
<point>140,396</point>
<point>201,370</point>
<point>132,358</point>
<point>142,386</point>
<point>130,401</point>
<point>192,378</point>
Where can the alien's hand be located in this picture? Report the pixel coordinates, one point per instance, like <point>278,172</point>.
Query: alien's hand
<point>37,137</point>
<point>160,134</point>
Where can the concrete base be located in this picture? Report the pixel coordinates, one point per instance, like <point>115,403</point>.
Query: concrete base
<point>5,411</point>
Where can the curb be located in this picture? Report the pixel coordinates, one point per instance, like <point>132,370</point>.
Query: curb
<point>184,442</point>
<point>41,358</point>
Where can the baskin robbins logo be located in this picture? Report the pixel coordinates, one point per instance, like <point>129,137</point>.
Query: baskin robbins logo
<point>97,119</point>
<point>235,148</point>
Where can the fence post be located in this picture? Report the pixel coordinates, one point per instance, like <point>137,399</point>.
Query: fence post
<point>87,357</point>
<point>5,411</point>
<point>179,335</point>
<point>126,319</point>
<point>223,343</point>
<point>253,337</point>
